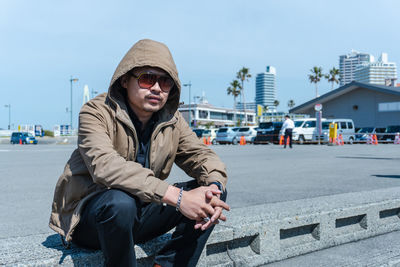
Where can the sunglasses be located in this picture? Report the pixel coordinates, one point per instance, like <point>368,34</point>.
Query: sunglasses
<point>147,80</point>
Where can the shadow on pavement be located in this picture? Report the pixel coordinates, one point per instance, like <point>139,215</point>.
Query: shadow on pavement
<point>387,176</point>
<point>373,158</point>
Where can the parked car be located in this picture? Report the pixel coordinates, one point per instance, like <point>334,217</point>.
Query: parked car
<point>212,133</point>
<point>23,138</point>
<point>305,130</point>
<point>391,132</point>
<point>249,133</point>
<point>363,133</point>
<point>198,132</point>
<point>227,135</point>
<point>345,127</point>
<point>268,132</point>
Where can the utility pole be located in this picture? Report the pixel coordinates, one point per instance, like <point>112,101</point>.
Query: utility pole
<point>71,81</point>
<point>190,110</point>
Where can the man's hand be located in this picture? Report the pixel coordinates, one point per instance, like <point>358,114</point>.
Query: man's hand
<point>210,194</point>
<point>199,203</point>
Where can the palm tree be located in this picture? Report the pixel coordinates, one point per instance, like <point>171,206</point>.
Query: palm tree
<point>243,75</point>
<point>331,77</point>
<point>235,89</point>
<point>291,103</point>
<point>315,77</point>
<point>276,104</point>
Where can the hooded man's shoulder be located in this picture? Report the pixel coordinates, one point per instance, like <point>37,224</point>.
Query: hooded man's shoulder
<point>99,104</point>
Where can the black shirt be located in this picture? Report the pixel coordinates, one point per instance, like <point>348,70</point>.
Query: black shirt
<point>143,135</point>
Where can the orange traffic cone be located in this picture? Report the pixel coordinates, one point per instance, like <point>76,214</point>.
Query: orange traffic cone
<point>281,140</point>
<point>242,140</point>
<point>341,142</point>
<point>209,141</point>
<point>287,140</point>
<point>20,141</point>
<point>375,139</point>
<point>204,141</point>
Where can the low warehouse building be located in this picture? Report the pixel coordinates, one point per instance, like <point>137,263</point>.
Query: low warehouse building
<point>369,105</point>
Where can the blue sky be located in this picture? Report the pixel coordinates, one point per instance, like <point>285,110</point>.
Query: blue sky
<point>44,42</point>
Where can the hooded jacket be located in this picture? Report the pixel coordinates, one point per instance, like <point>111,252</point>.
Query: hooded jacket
<point>107,146</point>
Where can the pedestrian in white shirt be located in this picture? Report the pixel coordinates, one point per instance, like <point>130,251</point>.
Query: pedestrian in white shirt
<point>287,130</point>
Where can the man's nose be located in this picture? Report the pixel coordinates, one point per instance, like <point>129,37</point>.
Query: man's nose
<point>156,87</point>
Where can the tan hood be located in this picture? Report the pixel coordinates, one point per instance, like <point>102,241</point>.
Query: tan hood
<point>148,53</point>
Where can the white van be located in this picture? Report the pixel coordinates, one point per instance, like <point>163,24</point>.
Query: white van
<point>305,130</point>
<point>345,127</point>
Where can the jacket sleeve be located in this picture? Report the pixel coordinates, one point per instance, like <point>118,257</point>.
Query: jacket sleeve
<point>107,166</point>
<point>196,159</point>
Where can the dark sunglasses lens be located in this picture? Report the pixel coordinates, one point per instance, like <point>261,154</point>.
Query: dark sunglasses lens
<point>147,80</point>
<point>166,83</point>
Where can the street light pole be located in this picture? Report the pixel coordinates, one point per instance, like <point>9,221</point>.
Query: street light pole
<point>190,110</point>
<point>9,115</point>
<point>71,81</point>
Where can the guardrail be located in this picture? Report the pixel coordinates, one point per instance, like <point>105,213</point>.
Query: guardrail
<point>252,236</point>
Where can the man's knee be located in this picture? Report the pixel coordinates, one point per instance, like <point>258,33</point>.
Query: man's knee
<point>118,206</point>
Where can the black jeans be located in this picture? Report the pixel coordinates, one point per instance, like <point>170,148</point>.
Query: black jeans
<point>114,221</point>
<point>288,133</point>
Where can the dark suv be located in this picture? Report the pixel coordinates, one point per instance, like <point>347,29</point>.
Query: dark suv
<point>22,138</point>
<point>268,132</point>
<point>391,132</point>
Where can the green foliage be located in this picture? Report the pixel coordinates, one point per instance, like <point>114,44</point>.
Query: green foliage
<point>48,133</point>
<point>332,76</point>
<point>315,77</point>
<point>209,124</point>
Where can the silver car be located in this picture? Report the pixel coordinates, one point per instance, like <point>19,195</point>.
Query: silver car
<point>227,135</point>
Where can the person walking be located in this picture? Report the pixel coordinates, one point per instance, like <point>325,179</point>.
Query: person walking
<point>287,131</point>
<point>113,192</point>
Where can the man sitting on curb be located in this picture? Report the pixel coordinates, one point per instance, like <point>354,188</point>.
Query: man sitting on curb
<point>113,194</point>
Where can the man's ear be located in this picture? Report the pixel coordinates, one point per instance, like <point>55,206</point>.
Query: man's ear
<point>124,81</point>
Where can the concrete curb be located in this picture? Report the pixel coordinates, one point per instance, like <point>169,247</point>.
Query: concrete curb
<point>252,236</point>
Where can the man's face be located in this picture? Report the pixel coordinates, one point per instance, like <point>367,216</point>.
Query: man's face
<point>145,102</point>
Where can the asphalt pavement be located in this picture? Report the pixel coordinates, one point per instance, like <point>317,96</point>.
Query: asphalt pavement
<point>258,174</point>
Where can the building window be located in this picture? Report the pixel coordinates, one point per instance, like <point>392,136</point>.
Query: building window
<point>389,106</point>
<point>203,114</point>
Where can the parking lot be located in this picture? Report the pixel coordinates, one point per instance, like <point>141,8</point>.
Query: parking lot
<point>257,174</point>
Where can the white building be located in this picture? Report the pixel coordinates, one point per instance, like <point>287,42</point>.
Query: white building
<point>266,87</point>
<point>376,72</point>
<point>348,64</point>
<point>204,113</point>
<point>249,105</point>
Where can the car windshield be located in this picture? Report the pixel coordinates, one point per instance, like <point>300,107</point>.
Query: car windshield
<point>222,130</point>
<point>298,123</point>
<point>206,131</point>
<point>366,130</point>
<point>30,135</point>
<point>244,129</point>
<point>325,125</point>
<point>393,129</point>
<point>265,125</point>
<point>235,129</point>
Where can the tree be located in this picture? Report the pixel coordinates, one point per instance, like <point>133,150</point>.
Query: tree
<point>235,89</point>
<point>291,103</point>
<point>243,75</point>
<point>315,77</point>
<point>276,103</point>
<point>332,76</point>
